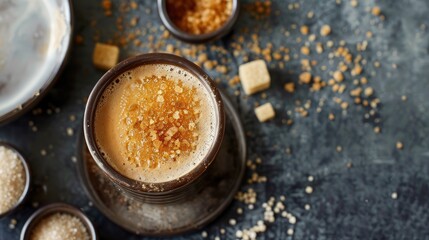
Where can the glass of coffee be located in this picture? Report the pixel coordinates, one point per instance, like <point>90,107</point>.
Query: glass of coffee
<point>154,124</point>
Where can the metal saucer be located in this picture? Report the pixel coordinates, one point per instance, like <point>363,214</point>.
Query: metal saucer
<point>34,49</point>
<point>224,179</point>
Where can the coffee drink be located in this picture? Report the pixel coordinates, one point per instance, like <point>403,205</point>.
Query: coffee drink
<point>155,123</point>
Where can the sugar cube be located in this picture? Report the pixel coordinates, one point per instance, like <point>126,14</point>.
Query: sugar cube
<point>254,76</point>
<point>105,56</point>
<point>265,112</point>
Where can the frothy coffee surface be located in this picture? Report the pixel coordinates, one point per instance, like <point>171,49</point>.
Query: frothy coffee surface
<point>155,123</point>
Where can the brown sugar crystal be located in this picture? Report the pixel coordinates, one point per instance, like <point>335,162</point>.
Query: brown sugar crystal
<point>60,226</point>
<point>376,11</point>
<point>12,179</point>
<point>161,122</point>
<point>199,17</point>
<point>325,30</point>
<point>290,87</point>
<point>305,77</point>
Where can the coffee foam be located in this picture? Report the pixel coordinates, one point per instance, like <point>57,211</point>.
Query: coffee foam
<point>107,118</point>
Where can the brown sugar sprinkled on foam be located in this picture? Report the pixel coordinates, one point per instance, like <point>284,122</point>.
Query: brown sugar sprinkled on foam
<point>161,118</point>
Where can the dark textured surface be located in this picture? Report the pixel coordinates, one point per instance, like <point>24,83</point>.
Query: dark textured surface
<point>347,203</point>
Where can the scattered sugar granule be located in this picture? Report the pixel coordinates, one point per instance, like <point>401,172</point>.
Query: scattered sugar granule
<point>43,152</point>
<point>12,223</point>
<point>309,190</point>
<point>319,48</point>
<point>338,76</point>
<point>292,220</point>
<point>377,129</point>
<point>376,11</point>
<point>72,118</point>
<point>254,76</point>
<point>290,87</point>
<point>325,30</point>
<point>12,179</point>
<point>339,149</point>
<point>60,226</point>
<point>399,145</point>
<point>70,131</point>
<point>369,91</point>
<point>232,222</point>
<point>265,112</point>
<point>305,50</point>
<point>307,207</point>
<point>304,30</point>
<point>305,77</point>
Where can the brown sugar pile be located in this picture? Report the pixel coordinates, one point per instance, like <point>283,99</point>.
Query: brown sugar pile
<point>12,179</point>
<point>161,120</point>
<point>199,17</point>
<point>60,226</point>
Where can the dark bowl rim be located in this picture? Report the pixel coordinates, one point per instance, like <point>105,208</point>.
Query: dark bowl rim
<point>193,38</point>
<point>24,193</point>
<point>49,83</point>
<point>140,187</point>
<point>52,208</point>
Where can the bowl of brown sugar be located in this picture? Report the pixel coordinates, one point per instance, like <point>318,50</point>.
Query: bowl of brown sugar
<point>198,21</point>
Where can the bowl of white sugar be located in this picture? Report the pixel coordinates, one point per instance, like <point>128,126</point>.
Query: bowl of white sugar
<point>58,221</point>
<point>14,179</point>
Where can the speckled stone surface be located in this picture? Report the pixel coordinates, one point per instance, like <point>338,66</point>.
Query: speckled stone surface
<point>347,203</point>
